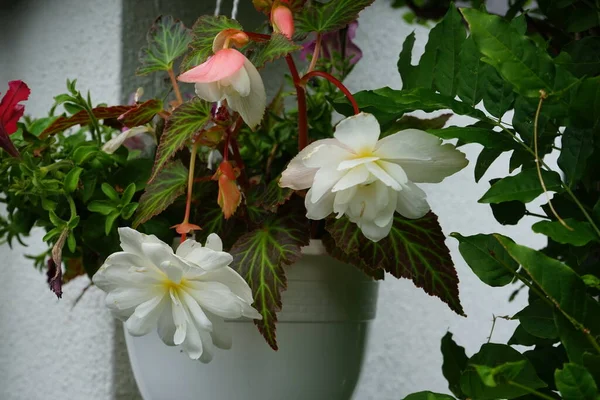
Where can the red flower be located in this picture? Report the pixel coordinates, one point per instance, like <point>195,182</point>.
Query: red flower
<point>10,112</point>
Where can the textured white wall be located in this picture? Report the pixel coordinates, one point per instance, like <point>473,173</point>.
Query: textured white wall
<point>48,350</point>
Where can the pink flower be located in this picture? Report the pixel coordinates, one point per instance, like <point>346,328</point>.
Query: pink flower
<point>10,112</point>
<point>229,75</point>
<point>282,20</point>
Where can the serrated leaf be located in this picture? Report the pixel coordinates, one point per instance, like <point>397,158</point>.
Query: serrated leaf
<point>167,40</point>
<point>487,258</point>
<point>63,123</point>
<point>455,362</point>
<point>428,396</point>
<point>260,255</point>
<point>484,160</point>
<point>524,187</point>
<point>414,249</point>
<point>273,196</point>
<point>487,137</point>
<point>278,46</point>
<point>577,147</point>
<point>388,105</point>
<point>170,183</point>
<point>203,33</point>
<point>331,16</point>
<point>494,355</point>
<point>187,120</point>
<point>142,113</point>
<point>72,179</point>
<point>472,74</point>
<point>538,319</point>
<point>582,232</point>
<point>575,383</point>
<point>516,58</point>
<point>338,254</point>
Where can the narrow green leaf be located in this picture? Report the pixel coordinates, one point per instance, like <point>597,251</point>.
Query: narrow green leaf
<point>484,160</point>
<point>128,194</point>
<point>72,179</point>
<point>412,122</point>
<point>167,39</point>
<point>331,16</point>
<point>524,187</point>
<point>487,137</point>
<point>582,232</point>
<point>110,221</point>
<point>428,396</point>
<point>187,120</point>
<point>538,319</point>
<point>82,117</point>
<point>110,192</point>
<point>487,258</point>
<point>278,46</point>
<point>591,281</point>
<point>103,207</point>
<point>471,74</point>
<point>408,72</point>
<point>170,183</point>
<point>575,383</point>
<point>577,147</point>
<point>519,370</point>
<point>128,210</point>
<point>414,249</point>
<point>204,31</point>
<point>455,362</point>
<point>84,154</point>
<point>260,255</point>
<point>71,243</point>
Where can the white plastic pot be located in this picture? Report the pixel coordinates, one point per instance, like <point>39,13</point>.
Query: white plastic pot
<point>322,333</point>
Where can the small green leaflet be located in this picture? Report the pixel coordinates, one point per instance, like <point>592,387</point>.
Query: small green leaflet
<point>260,255</point>
<point>575,383</point>
<point>414,249</point>
<point>170,183</point>
<point>330,16</point>
<point>187,120</point>
<point>204,31</point>
<point>524,187</point>
<point>581,234</point>
<point>278,46</point>
<point>167,39</point>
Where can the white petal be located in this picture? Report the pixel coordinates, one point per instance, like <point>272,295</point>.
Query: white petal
<point>126,298</point>
<point>383,176</point>
<point>251,107</point>
<point>374,232</point>
<point>195,312</point>
<point>356,176</point>
<point>131,241</point>
<point>320,209</point>
<point>186,247</point>
<point>359,132</point>
<point>122,270</point>
<point>163,258</point>
<point>412,202</point>
<point>166,326</point>
<point>214,242</point>
<point>329,153</point>
<point>386,214</point>
<point>208,259</point>
<point>145,317</point>
<point>297,175</point>
<point>342,200</point>
<point>209,348</point>
<point>409,144</point>
<point>394,170</point>
<point>347,164</point>
<point>324,180</point>
<point>179,318</point>
<point>216,298</point>
<point>239,81</point>
<point>113,144</point>
<point>232,280</point>
<point>210,91</point>
<point>250,312</point>
<point>221,334</point>
<point>193,345</point>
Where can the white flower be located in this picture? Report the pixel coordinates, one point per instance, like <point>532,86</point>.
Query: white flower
<point>186,295</point>
<point>367,179</point>
<point>113,144</point>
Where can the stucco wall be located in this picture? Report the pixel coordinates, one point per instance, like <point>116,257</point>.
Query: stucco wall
<point>48,349</point>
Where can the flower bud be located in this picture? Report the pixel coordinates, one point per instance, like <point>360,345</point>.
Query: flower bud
<point>229,194</point>
<point>282,20</point>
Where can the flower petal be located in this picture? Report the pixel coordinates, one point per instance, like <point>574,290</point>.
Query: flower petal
<point>208,259</point>
<point>298,175</point>
<point>131,241</point>
<point>146,315</point>
<point>394,170</point>
<point>374,232</point>
<point>113,144</point>
<point>412,201</point>
<point>320,209</point>
<point>359,132</point>
<point>126,298</point>
<point>445,162</point>
<point>221,333</point>
<point>230,278</point>
<point>125,270</point>
<point>354,177</point>
<point>383,176</point>
<point>347,164</point>
<point>179,318</point>
<point>196,314</point>
<point>166,326</point>
<point>239,82</point>
<point>214,242</point>
<point>251,107</point>
<point>325,179</point>
<point>193,344</point>
<point>216,298</point>
<point>224,63</point>
<point>210,91</point>
<point>342,200</point>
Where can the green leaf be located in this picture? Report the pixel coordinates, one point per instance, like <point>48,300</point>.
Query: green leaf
<point>472,74</point>
<point>524,187</point>
<point>538,319</point>
<point>492,356</point>
<point>110,192</point>
<point>128,194</point>
<point>577,147</point>
<point>582,232</point>
<point>591,281</point>
<point>71,242</point>
<point>273,196</point>
<point>585,105</point>
<point>509,212</point>
<point>455,362</point>
<point>167,39</point>
<point>574,340</point>
<point>63,123</point>
<point>84,154</point>
<point>428,396</point>
<point>547,358</point>
<point>331,16</point>
<point>260,255</point>
<point>575,383</point>
<point>204,31</point>
<point>72,179</point>
<point>142,113</point>
<point>412,122</point>
<point>517,59</point>
<point>523,338</point>
<point>110,221</point>
<point>487,258</point>
<point>278,46</point>
<point>187,120</point>
<point>489,138</point>
<point>388,105</point>
<point>581,57</point>
<point>414,249</point>
<point>592,363</point>
<point>484,160</point>
<point>102,207</point>
<point>501,374</point>
<point>128,210</point>
<point>170,183</point>
<point>498,95</point>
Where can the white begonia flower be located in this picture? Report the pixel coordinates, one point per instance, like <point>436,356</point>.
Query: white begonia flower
<point>184,295</point>
<point>367,179</point>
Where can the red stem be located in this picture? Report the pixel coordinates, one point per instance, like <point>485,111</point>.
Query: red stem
<point>258,37</point>
<point>337,83</point>
<point>301,95</point>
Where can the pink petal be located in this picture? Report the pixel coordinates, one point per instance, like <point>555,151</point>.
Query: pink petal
<point>222,64</point>
<point>10,110</point>
<point>282,18</point>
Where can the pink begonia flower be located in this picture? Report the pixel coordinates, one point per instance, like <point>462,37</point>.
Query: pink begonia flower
<point>282,20</point>
<point>229,75</point>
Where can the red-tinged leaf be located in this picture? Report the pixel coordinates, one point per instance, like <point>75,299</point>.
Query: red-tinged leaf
<point>337,253</point>
<point>187,120</point>
<point>162,192</point>
<point>82,118</point>
<point>142,113</point>
<point>273,196</point>
<point>10,109</point>
<point>414,249</point>
<point>260,255</point>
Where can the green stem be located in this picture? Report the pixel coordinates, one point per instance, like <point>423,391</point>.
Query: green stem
<point>582,208</point>
<point>531,391</point>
